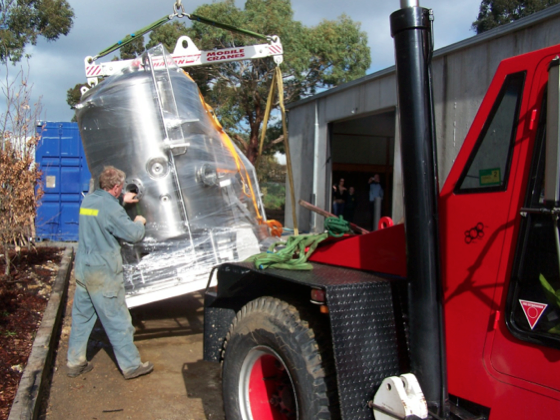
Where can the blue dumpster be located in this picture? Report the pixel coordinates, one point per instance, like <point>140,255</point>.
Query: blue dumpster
<point>65,179</point>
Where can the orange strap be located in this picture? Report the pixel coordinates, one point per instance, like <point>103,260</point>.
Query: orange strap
<point>245,178</point>
<point>275,227</point>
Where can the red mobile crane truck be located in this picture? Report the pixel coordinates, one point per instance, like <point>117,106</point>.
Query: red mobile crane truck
<point>481,255</point>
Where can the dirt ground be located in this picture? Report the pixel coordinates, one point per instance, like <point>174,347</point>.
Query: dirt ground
<point>182,386</point>
<point>23,298</point>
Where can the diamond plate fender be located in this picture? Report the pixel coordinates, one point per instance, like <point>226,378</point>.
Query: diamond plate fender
<point>365,314</point>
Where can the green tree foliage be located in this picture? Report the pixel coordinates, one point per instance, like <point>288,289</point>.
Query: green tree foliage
<point>269,170</point>
<point>494,13</point>
<point>74,95</point>
<point>167,35</point>
<point>315,58</point>
<point>274,195</point>
<point>23,21</point>
<point>132,49</point>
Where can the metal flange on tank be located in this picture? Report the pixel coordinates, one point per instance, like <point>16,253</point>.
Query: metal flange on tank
<point>197,191</point>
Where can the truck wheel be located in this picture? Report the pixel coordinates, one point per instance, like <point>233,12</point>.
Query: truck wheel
<point>272,366</point>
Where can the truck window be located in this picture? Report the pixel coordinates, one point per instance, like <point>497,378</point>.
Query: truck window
<point>533,305</point>
<point>488,166</point>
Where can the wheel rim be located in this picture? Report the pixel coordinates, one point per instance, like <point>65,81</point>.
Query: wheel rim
<point>266,388</point>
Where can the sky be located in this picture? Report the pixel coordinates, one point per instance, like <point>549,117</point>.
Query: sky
<point>55,67</point>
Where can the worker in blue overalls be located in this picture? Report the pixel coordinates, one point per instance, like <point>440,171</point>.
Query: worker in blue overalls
<point>99,277</point>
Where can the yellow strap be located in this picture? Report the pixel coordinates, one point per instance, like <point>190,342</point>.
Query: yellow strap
<point>279,81</point>
<point>267,111</point>
<point>287,147</point>
<point>89,212</point>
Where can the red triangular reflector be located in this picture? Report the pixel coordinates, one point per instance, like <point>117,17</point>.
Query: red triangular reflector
<point>533,311</point>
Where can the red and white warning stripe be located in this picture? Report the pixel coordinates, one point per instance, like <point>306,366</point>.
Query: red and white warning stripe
<point>275,49</point>
<point>93,71</point>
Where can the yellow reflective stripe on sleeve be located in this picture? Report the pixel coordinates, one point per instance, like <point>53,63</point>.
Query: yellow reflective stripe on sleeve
<point>89,212</point>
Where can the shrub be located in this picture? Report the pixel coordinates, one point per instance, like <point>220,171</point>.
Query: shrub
<point>20,190</point>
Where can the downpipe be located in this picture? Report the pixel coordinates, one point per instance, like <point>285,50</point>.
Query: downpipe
<point>412,34</point>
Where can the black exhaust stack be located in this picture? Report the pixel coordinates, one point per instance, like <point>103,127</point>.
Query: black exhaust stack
<point>411,31</point>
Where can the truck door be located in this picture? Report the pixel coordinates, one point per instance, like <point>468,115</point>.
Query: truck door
<point>505,343</point>
<point>522,350</point>
<point>475,227</point>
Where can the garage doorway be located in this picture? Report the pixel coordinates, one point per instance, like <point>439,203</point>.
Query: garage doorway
<point>359,148</point>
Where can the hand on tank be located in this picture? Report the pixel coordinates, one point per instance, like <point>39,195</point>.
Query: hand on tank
<point>140,219</point>
<point>130,198</point>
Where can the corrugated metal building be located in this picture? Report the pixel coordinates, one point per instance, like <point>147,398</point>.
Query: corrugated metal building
<point>351,131</point>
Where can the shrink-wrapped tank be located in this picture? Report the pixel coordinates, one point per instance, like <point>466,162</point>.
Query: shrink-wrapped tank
<point>198,193</point>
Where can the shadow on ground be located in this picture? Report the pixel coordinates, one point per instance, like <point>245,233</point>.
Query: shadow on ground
<point>179,316</point>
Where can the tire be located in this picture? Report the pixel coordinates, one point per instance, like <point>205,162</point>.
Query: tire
<point>273,367</point>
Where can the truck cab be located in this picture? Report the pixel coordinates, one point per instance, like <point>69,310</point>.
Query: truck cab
<point>499,239</point>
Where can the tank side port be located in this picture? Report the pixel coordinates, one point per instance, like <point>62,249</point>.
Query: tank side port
<point>134,186</point>
<point>157,167</point>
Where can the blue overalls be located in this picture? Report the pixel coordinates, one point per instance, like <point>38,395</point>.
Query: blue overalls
<point>99,280</point>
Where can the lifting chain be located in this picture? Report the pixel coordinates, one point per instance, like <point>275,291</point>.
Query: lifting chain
<point>179,9</point>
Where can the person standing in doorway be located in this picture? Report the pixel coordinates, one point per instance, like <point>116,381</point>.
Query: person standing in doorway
<point>99,277</point>
<point>350,205</point>
<point>339,197</point>
<point>375,192</point>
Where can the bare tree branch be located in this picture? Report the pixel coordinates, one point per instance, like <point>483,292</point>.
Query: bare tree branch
<point>240,139</point>
<point>19,175</point>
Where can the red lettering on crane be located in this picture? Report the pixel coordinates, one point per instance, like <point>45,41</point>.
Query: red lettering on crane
<point>240,52</point>
<point>219,57</point>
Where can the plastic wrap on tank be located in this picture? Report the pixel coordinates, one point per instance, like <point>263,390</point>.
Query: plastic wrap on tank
<point>198,192</point>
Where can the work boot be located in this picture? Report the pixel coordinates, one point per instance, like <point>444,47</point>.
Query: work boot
<point>143,369</point>
<point>74,371</point>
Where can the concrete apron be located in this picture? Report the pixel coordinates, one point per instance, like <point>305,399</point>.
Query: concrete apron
<point>27,401</point>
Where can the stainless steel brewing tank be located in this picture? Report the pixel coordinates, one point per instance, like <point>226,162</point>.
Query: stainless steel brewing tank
<point>157,131</point>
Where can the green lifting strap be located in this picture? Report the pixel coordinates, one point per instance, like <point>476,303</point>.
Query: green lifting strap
<point>225,26</point>
<point>337,226</point>
<point>129,38</point>
<point>294,253</point>
<point>132,36</point>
